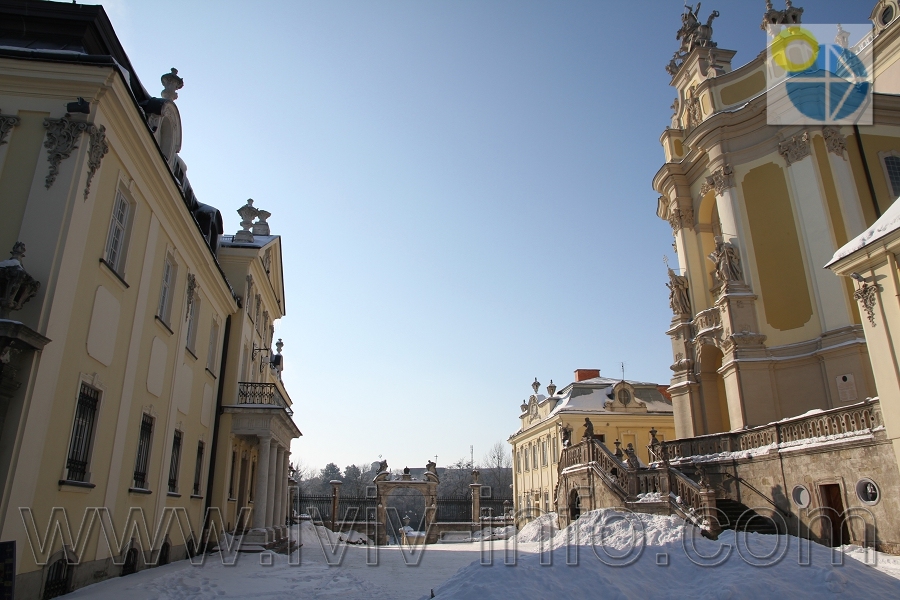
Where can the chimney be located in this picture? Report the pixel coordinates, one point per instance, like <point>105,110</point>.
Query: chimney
<point>582,374</point>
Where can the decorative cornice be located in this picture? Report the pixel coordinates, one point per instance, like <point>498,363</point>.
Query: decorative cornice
<point>96,152</point>
<point>865,295</point>
<point>834,141</point>
<point>6,125</point>
<point>795,149</point>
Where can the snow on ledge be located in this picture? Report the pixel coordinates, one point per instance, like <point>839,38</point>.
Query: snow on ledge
<point>887,223</point>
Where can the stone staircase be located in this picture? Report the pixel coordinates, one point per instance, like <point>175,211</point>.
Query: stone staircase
<point>737,516</point>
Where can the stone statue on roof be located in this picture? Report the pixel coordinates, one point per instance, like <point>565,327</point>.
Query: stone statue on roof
<point>693,34</point>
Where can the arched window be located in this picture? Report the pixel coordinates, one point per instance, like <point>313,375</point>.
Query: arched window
<point>58,579</point>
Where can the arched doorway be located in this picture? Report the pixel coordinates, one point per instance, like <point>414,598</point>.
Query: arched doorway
<point>715,418</point>
<point>574,505</point>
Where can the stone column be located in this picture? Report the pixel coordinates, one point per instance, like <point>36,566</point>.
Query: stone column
<point>286,496</point>
<point>277,520</point>
<point>270,504</point>
<point>262,483</point>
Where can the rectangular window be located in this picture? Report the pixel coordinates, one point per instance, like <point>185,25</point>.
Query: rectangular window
<point>213,347</point>
<point>198,470</point>
<point>544,452</point>
<point>526,458</point>
<point>165,292</point>
<point>176,461</point>
<point>142,461</point>
<point>191,342</point>
<point>546,502</point>
<point>518,461</point>
<point>892,167</point>
<point>118,230</point>
<point>555,450</point>
<point>534,451</point>
<point>601,437</point>
<point>82,433</point>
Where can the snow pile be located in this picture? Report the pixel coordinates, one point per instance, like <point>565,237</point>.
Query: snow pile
<point>609,554</point>
<point>650,497</point>
<point>355,537</point>
<point>541,529</point>
<point>494,533</point>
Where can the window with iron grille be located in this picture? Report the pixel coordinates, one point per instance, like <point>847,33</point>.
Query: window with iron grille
<point>892,167</point>
<point>198,470</point>
<point>82,433</point>
<point>142,461</point>
<point>165,292</point>
<point>58,579</point>
<point>118,227</point>
<point>176,460</point>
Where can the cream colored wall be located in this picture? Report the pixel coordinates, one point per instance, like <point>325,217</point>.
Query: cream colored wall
<point>631,427</point>
<point>66,236</point>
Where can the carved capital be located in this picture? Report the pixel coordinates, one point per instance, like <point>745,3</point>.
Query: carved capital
<point>834,141</point>
<point>865,295</point>
<point>795,149</point>
<point>680,218</point>
<point>720,180</point>
<point>6,125</point>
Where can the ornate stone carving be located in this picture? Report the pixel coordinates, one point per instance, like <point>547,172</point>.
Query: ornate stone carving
<point>676,108</point>
<point>96,152</point>
<point>6,125</point>
<point>62,137</point>
<point>834,141</point>
<point>727,261</point>
<point>788,16</point>
<point>720,180</point>
<point>191,289</point>
<point>692,106</point>
<point>680,218</point>
<point>795,149</point>
<point>692,34</point>
<point>16,286</point>
<point>247,213</point>
<point>171,82</point>
<point>865,295</point>
<point>679,299</point>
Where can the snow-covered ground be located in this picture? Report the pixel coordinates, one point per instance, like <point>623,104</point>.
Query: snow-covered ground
<point>633,556</point>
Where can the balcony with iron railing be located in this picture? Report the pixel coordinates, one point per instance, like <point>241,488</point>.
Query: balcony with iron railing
<point>263,395</point>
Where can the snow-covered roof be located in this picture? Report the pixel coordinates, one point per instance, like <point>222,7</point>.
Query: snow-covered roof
<point>259,241</point>
<point>887,223</point>
<point>594,401</point>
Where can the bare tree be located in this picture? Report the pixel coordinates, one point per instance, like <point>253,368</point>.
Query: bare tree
<point>455,478</point>
<point>496,469</point>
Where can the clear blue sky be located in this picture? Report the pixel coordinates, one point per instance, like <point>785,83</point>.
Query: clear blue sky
<point>463,189</point>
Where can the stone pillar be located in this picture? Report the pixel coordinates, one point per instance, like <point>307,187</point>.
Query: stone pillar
<point>262,483</point>
<point>270,492</point>
<point>278,520</point>
<point>286,497</point>
<point>476,500</point>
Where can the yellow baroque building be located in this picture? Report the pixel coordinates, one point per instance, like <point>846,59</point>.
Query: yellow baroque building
<point>137,375</point>
<point>760,331</point>
<point>621,415</point>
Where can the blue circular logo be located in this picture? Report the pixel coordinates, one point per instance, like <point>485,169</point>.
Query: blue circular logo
<point>829,88</point>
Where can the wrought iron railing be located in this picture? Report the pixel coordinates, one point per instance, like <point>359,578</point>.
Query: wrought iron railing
<point>837,421</point>
<point>262,394</point>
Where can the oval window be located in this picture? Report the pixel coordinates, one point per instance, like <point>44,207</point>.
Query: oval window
<point>800,496</point>
<point>887,15</point>
<point>867,491</point>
